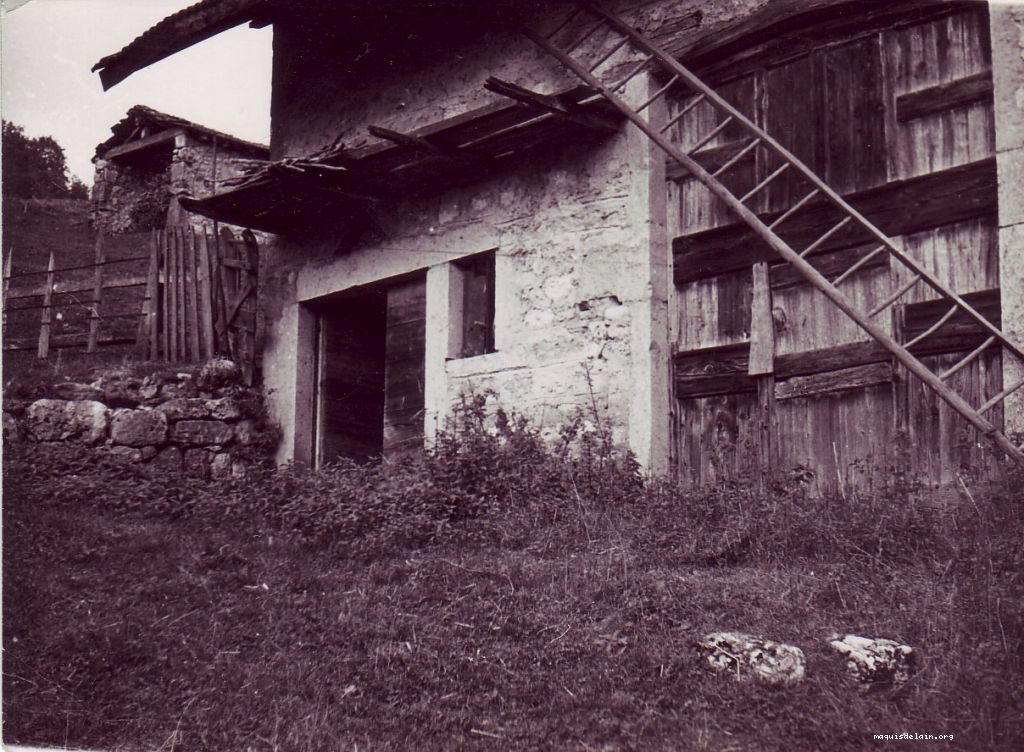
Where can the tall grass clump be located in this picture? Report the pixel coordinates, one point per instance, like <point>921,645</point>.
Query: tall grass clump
<point>498,589</point>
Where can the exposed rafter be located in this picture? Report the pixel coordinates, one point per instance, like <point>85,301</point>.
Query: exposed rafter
<point>560,107</point>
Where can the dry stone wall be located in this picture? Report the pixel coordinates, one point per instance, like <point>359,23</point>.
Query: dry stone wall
<point>127,199</point>
<point>203,422</point>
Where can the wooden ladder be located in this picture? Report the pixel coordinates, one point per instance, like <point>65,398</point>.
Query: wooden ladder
<point>626,37</point>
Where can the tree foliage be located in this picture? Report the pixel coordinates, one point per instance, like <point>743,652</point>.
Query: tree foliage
<point>36,167</point>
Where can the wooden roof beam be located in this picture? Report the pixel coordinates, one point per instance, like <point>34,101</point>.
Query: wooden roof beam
<point>424,146</point>
<point>555,105</point>
<point>137,145</point>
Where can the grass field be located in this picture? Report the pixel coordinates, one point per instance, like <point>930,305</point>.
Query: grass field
<point>557,609</point>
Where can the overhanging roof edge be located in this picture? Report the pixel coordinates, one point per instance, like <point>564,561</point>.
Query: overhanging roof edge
<point>175,33</point>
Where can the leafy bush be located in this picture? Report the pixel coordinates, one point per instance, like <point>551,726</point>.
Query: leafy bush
<point>493,480</point>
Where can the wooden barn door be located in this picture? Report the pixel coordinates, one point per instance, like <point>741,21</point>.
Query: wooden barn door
<point>371,351</point>
<point>404,353</point>
<point>769,376</point>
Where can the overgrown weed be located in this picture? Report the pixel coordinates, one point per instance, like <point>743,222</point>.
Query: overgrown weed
<point>538,595</point>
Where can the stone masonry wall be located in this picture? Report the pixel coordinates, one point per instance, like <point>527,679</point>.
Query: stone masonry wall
<point>126,198</point>
<point>578,229</point>
<point>192,173</point>
<point>202,423</point>
<point>135,198</point>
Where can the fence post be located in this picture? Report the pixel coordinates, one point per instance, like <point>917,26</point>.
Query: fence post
<point>205,295</point>
<point>193,293</point>
<point>8,264</point>
<point>182,317</point>
<point>252,257</point>
<point>172,283</point>
<point>145,339</point>
<point>44,327</point>
<point>165,293</point>
<point>219,295</point>
<point>97,293</point>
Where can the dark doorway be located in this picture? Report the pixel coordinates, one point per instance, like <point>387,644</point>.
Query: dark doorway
<point>350,410</point>
<point>371,372</point>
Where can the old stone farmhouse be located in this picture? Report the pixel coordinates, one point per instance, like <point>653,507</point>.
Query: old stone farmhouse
<point>456,209</point>
<point>151,159</point>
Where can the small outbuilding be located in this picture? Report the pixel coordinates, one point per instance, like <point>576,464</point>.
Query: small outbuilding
<point>153,158</point>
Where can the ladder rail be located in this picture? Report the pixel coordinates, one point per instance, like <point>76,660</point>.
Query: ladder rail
<point>710,95</point>
<point>819,281</point>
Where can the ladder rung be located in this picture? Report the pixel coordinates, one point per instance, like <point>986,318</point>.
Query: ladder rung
<point>933,328</point>
<point>1000,397</point>
<point>973,354</point>
<point>739,155</point>
<point>895,296</point>
<point>793,209</point>
<point>860,264</point>
<point>710,135</point>
<point>586,35</point>
<point>817,243</point>
<point>682,113</point>
<point>632,74</point>
<point>757,188</point>
<point>568,20</point>
<point>612,51</point>
<point>657,94</point>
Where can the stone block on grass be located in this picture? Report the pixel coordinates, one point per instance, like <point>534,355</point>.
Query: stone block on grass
<point>220,466</point>
<point>224,408</point>
<point>185,408</point>
<point>747,657</point>
<point>202,432</point>
<point>875,661</point>
<point>62,420</point>
<point>70,390</point>
<point>169,459</point>
<point>138,428</point>
<point>197,462</point>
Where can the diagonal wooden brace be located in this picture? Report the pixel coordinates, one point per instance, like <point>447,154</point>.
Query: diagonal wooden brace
<point>554,105</point>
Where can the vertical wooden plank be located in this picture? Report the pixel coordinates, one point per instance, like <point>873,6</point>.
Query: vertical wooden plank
<point>762,364</point>
<point>854,129</point>
<point>404,368</point>
<point>252,258</point>
<point>172,283</point>
<point>796,121</point>
<point>193,294</point>
<point>44,325</point>
<point>165,294</point>
<point>699,208</point>
<point>97,292</point>
<point>766,459</point>
<point>148,337</point>
<point>217,294</point>
<point>8,263</point>
<point>762,329</point>
<point>205,295</point>
<point>182,322</point>
<point>901,419</point>
<point>230,283</point>
<point>183,340</point>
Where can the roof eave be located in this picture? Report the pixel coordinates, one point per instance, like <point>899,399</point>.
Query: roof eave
<point>176,33</point>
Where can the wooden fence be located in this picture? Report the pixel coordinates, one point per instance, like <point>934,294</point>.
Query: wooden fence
<point>59,307</point>
<point>199,300</point>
